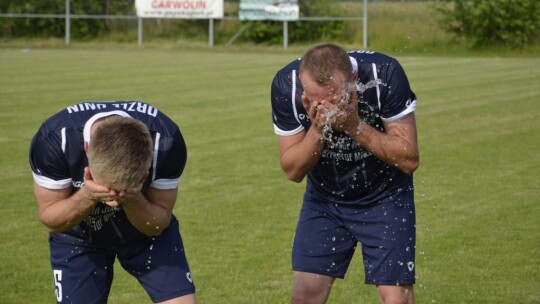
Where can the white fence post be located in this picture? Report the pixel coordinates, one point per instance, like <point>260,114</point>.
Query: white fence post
<point>68,32</point>
<point>285,34</point>
<point>364,28</point>
<point>140,30</point>
<point>211,32</point>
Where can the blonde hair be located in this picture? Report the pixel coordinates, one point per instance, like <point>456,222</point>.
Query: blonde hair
<point>322,61</point>
<point>120,152</point>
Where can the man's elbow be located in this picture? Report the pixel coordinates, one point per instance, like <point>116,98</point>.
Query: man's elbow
<point>410,165</point>
<point>293,173</point>
<point>294,176</point>
<point>55,224</point>
<point>153,233</point>
<point>53,227</point>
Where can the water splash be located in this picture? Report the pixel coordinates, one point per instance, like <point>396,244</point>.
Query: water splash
<point>362,87</point>
<point>332,114</point>
<point>345,95</point>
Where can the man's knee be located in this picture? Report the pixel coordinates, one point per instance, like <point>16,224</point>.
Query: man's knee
<point>396,294</point>
<point>311,288</point>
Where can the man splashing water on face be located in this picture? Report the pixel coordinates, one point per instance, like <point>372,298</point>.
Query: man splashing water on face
<point>106,178</point>
<point>345,120</point>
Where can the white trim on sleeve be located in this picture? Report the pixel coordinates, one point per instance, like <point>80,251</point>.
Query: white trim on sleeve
<point>165,184</point>
<point>411,107</point>
<point>50,183</point>
<point>280,132</point>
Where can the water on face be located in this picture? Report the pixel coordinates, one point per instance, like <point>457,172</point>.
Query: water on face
<point>332,114</point>
<point>345,95</point>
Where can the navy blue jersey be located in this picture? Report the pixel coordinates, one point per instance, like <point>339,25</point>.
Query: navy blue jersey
<point>58,159</point>
<point>347,173</point>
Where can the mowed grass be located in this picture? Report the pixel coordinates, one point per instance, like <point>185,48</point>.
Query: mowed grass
<point>477,188</point>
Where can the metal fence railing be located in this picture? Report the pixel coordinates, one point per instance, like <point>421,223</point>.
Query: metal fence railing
<point>68,17</point>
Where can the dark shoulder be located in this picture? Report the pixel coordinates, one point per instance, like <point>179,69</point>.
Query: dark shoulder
<point>287,69</point>
<point>369,57</point>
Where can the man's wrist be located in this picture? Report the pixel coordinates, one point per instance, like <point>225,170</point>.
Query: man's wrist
<point>316,133</point>
<point>359,127</point>
<point>87,196</point>
<point>355,128</point>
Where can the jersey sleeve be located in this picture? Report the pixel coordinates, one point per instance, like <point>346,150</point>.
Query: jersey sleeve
<point>400,99</point>
<point>283,99</point>
<point>170,157</point>
<point>47,160</point>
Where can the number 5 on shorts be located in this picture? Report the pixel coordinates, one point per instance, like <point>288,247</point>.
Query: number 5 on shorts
<point>58,284</point>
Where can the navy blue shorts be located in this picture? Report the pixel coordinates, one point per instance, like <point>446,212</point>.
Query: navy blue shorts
<point>83,273</point>
<point>327,235</point>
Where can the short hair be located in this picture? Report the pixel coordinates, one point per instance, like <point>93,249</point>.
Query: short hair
<point>120,152</point>
<point>322,61</point>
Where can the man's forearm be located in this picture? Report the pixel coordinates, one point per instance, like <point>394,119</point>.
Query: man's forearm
<point>393,148</point>
<point>301,157</point>
<point>60,214</point>
<point>150,219</point>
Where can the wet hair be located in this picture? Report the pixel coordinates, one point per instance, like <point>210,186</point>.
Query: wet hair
<point>120,152</point>
<point>323,61</point>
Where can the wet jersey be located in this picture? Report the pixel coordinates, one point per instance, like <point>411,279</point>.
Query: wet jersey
<point>347,173</point>
<point>58,159</point>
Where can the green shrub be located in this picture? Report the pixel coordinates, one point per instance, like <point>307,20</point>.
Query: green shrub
<point>263,32</point>
<point>514,23</point>
<point>55,27</point>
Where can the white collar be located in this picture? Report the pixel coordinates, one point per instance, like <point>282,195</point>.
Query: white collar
<point>92,120</point>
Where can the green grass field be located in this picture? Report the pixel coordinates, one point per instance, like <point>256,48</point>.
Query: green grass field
<point>478,197</point>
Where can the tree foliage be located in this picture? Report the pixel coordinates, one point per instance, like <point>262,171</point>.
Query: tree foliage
<point>514,23</point>
<point>55,26</point>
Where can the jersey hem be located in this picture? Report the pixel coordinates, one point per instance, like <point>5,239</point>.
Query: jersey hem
<point>391,283</point>
<point>178,294</point>
<point>333,275</point>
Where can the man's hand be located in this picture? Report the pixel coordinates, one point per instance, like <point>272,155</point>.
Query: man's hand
<point>338,112</point>
<point>318,112</point>
<point>126,196</point>
<point>97,192</point>
<point>346,117</point>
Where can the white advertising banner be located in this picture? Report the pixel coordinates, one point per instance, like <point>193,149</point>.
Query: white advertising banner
<point>280,10</point>
<point>184,9</point>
